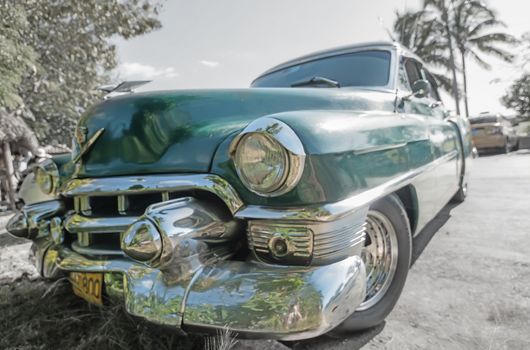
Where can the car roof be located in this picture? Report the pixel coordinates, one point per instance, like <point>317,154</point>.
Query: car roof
<point>341,50</point>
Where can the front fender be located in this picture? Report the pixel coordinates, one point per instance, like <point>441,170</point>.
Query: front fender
<point>346,152</point>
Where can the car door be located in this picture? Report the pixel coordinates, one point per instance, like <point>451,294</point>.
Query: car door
<point>439,182</point>
<point>445,144</point>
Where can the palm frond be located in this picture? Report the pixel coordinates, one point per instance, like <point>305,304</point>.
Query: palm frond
<point>478,60</point>
<point>497,52</point>
<point>487,23</point>
<point>490,38</point>
<point>444,82</point>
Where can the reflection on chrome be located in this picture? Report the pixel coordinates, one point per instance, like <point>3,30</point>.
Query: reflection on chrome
<point>27,222</point>
<point>179,232</point>
<point>253,299</point>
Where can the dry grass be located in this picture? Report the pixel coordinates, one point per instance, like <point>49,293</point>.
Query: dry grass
<point>223,340</point>
<point>40,315</point>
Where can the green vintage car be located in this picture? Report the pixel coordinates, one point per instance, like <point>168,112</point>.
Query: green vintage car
<point>284,211</point>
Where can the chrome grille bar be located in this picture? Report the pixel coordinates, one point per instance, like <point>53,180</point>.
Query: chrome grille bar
<point>127,185</point>
<point>81,224</point>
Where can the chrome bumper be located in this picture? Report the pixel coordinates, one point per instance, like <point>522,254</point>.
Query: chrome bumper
<point>252,299</point>
<point>184,279</point>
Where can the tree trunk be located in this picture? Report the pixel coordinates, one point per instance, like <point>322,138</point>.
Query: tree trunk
<point>445,18</point>
<point>10,175</point>
<point>464,79</point>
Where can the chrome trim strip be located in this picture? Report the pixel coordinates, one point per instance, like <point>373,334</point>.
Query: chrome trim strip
<point>80,224</point>
<point>88,145</point>
<point>379,148</point>
<point>123,185</point>
<point>333,211</point>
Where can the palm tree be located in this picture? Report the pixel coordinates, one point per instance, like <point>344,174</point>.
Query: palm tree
<point>440,10</point>
<point>473,25</point>
<point>425,35</point>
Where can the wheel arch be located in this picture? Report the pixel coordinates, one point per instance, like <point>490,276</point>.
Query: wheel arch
<point>408,197</point>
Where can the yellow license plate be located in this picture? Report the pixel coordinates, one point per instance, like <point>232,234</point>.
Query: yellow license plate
<point>88,286</point>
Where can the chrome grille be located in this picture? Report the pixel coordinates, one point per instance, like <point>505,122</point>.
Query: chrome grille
<point>105,207</point>
<point>99,221</point>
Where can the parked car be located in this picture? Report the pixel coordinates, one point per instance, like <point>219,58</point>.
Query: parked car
<point>281,211</point>
<point>493,132</point>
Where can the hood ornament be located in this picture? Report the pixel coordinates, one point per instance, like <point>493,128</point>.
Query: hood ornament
<point>86,147</point>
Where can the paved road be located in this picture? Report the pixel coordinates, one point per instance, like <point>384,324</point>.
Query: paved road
<point>470,288</point>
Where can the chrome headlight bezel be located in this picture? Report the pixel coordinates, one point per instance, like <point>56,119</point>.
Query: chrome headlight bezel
<point>281,135</point>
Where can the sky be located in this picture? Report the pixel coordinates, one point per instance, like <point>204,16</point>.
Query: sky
<point>227,43</point>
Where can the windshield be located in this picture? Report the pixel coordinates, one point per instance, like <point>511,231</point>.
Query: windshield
<point>364,68</point>
<point>484,119</point>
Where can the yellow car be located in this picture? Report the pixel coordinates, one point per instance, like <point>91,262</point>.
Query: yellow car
<point>493,132</point>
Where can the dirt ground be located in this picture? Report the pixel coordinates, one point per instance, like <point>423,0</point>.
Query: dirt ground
<point>468,289</point>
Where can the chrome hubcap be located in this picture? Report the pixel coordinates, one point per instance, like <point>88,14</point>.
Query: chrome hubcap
<point>380,255</point>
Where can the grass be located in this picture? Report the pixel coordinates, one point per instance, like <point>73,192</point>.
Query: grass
<point>41,315</point>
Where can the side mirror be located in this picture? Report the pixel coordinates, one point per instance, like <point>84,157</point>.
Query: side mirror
<point>421,88</point>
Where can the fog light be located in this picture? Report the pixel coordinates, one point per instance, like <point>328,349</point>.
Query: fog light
<point>142,241</point>
<point>280,246</point>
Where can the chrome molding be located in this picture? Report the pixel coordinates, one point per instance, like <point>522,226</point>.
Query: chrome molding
<point>379,148</point>
<point>124,185</point>
<point>333,211</point>
<point>287,138</point>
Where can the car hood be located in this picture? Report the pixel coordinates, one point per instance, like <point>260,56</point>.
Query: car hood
<point>179,131</point>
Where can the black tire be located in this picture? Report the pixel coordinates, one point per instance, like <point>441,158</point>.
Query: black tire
<point>392,208</point>
<point>461,195</point>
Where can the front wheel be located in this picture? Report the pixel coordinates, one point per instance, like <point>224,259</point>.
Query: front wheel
<point>386,255</point>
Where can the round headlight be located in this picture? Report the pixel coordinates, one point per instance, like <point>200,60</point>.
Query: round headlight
<point>44,180</point>
<point>261,162</point>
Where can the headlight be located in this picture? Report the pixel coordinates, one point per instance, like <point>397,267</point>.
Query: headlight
<point>261,162</point>
<point>269,157</point>
<point>44,180</point>
<point>47,176</point>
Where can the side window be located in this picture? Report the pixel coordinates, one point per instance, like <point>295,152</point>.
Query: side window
<point>434,86</point>
<point>413,71</point>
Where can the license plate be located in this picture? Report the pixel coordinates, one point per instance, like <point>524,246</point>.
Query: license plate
<point>88,286</point>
